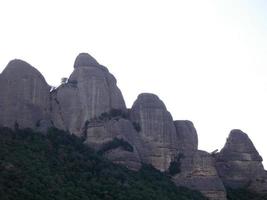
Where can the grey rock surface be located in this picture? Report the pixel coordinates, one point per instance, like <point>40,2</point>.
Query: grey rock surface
<point>186,137</point>
<point>24,98</point>
<point>78,104</point>
<point>239,163</point>
<point>100,133</point>
<point>91,90</point>
<point>84,60</point>
<point>198,172</point>
<point>157,132</point>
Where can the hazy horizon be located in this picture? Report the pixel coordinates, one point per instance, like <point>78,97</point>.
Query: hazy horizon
<point>205,59</point>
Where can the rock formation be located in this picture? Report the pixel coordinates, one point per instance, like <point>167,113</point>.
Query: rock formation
<point>240,165</point>
<point>157,131</point>
<point>198,172</point>
<point>186,137</point>
<point>197,168</point>
<point>101,133</point>
<point>90,91</point>
<point>24,99</point>
<point>90,105</point>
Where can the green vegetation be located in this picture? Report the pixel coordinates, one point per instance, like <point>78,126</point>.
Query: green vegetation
<point>116,114</point>
<point>113,114</point>
<point>243,194</point>
<point>175,165</point>
<point>137,126</point>
<point>58,166</point>
<point>116,143</point>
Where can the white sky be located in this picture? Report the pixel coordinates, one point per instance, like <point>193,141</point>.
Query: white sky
<point>206,59</point>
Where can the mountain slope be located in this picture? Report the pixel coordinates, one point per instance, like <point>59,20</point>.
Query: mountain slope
<point>58,166</point>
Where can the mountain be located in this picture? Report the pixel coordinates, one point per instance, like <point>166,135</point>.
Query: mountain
<point>90,106</point>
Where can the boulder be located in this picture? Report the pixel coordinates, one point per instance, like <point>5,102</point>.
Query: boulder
<point>239,164</point>
<point>90,91</point>
<point>24,99</point>
<point>157,131</point>
<point>198,172</point>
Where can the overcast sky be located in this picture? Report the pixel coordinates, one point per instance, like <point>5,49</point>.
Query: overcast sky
<point>206,59</point>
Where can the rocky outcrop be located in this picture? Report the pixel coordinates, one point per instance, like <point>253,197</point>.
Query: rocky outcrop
<point>90,91</point>
<point>157,131</point>
<point>186,137</point>
<point>196,168</point>
<point>90,105</point>
<point>24,96</point>
<point>240,165</point>
<point>100,134</point>
<point>197,171</point>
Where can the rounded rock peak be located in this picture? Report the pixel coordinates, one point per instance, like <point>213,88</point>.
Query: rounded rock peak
<point>148,96</point>
<point>238,134</point>
<point>239,141</point>
<point>149,100</point>
<point>21,67</point>
<point>85,60</point>
<point>18,63</point>
<point>184,123</point>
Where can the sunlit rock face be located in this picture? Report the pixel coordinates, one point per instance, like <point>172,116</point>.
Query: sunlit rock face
<point>157,131</point>
<point>24,96</point>
<point>90,91</point>
<point>240,165</point>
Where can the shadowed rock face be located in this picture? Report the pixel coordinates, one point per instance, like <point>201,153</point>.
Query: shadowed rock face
<point>91,90</point>
<point>24,98</point>
<point>239,164</point>
<point>157,132</point>
<point>99,134</point>
<point>198,172</point>
<point>186,137</point>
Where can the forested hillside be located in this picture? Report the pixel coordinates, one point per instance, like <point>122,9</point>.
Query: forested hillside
<point>58,166</point>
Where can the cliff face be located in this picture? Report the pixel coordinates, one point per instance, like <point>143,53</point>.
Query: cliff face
<point>197,168</point>
<point>240,165</point>
<point>90,105</point>
<point>24,99</point>
<point>186,137</point>
<point>198,172</point>
<point>157,131</point>
<point>90,91</point>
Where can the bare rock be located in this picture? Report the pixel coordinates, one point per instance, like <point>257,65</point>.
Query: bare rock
<point>85,60</point>
<point>24,98</point>
<point>198,172</point>
<point>197,168</point>
<point>99,134</point>
<point>240,165</point>
<point>90,91</point>
<point>157,131</point>
<point>186,137</point>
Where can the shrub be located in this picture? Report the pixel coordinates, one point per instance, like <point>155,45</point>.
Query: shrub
<point>116,143</point>
<point>136,126</point>
<point>175,165</point>
<point>243,194</point>
<point>113,114</point>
